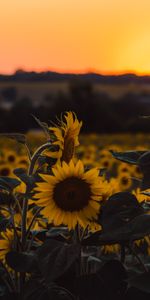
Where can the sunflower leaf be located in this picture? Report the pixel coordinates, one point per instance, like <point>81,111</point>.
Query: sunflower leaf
<point>56,258</point>
<point>8,183</point>
<point>44,126</point>
<point>141,282</point>
<point>36,289</point>
<point>119,209</point>
<point>22,262</point>
<point>6,198</point>
<point>128,156</point>
<point>22,174</point>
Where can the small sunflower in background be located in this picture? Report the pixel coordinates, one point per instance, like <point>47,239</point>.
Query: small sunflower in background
<point>70,195</point>
<point>124,168</point>
<point>6,170</point>
<point>106,249</point>
<point>10,156</point>
<point>124,181</point>
<point>23,161</point>
<point>66,137</point>
<point>136,172</point>
<point>103,153</point>
<point>106,163</point>
<point>109,188</point>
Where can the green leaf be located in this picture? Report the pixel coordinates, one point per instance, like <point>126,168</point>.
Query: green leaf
<point>142,282</point>
<point>128,156</point>
<point>56,258</point>
<point>59,233</point>
<point>22,174</point>
<point>144,164</point>
<point>37,289</point>
<point>144,160</point>
<point>136,229</point>
<point>8,183</point>
<point>118,210</point>
<point>6,198</point>
<point>43,125</point>
<point>22,262</point>
<point>4,223</point>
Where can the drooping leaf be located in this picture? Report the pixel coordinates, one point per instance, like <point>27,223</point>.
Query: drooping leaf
<point>144,160</point>
<point>37,289</point>
<point>118,210</point>
<point>8,183</point>
<point>6,198</point>
<point>55,258</point>
<point>128,156</point>
<point>4,222</point>
<point>136,229</point>
<point>144,164</point>
<point>58,233</point>
<point>43,125</point>
<point>141,282</point>
<point>114,275</point>
<point>22,262</point>
<point>22,174</point>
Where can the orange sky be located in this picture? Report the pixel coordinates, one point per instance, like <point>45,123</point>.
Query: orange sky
<point>79,35</point>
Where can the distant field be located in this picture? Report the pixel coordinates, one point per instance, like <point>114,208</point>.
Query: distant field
<point>38,90</point>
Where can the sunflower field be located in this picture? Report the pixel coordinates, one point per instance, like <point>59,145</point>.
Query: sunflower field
<point>74,214</point>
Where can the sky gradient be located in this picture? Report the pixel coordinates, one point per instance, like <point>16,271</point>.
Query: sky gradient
<point>107,36</point>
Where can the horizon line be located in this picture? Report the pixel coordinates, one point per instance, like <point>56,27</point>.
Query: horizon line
<point>76,72</point>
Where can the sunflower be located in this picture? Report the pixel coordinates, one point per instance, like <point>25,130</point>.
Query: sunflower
<point>10,156</point>
<point>66,135</point>
<point>106,249</point>
<point>123,168</point>
<point>109,188</point>
<point>6,243</point>
<point>23,160</point>
<point>93,227</point>
<point>6,170</point>
<point>70,195</point>
<point>125,181</point>
<point>136,172</point>
<point>141,197</point>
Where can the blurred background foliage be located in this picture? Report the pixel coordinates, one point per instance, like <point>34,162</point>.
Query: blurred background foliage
<point>105,107</point>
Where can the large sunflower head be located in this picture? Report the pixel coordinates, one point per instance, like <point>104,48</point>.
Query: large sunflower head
<point>66,134</point>
<point>70,195</point>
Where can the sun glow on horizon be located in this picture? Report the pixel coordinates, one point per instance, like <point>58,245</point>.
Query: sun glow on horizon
<point>107,36</point>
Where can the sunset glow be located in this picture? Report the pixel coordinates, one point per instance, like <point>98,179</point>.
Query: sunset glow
<point>107,36</point>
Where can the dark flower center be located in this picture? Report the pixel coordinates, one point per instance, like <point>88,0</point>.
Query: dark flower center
<point>11,158</point>
<point>125,180</point>
<point>4,172</point>
<point>72,194</point>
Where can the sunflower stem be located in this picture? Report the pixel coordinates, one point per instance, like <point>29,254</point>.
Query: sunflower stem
<point>138,258</point>
<point>33,161</point>
<point>33,219</point>
<point>34,158</point>
<point>28,151</point>
<point>10,283</point>
<point>122,254</point>
<point>36,155</point>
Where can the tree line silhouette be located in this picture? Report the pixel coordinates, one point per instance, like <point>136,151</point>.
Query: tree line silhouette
<point>100,112</point>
